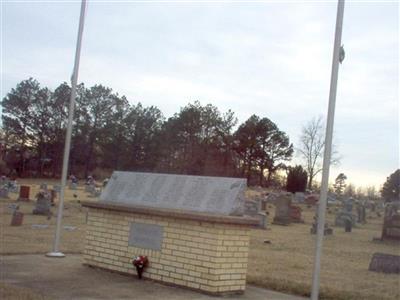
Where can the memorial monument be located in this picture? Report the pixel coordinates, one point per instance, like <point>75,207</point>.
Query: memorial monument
<point>190,228</point>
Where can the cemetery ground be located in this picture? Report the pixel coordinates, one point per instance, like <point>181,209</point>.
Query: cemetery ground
<point>283,263</point>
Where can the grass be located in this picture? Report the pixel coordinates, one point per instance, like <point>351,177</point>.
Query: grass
<point>285,264</point>
<point>12,292</point>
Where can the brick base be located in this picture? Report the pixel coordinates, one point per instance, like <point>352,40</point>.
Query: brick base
<point>200,255</point>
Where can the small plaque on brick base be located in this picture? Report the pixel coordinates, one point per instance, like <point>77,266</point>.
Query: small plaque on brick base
<point>148,236</point>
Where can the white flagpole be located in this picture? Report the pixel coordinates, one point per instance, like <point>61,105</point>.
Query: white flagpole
<point>56,252</point>
<point>327,151</point>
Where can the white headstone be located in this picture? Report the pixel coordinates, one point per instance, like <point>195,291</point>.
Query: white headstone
<point>220,195</point>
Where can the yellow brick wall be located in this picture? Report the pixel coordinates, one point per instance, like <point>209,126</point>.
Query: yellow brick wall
<point>201,255</point>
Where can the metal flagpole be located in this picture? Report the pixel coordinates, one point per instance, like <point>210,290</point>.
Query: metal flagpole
<point>56,252</point>
<point>327,150</point>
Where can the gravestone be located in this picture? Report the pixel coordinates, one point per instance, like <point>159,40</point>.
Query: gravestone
<point>218,195</point>
<point>3,180</point>
<point>43,204</point>
<point>299,197</point>
<point>345,215</point>
<point>251,207</point>
<point>17,218</point>
<point>24,193</point>
<point>53,196</point>
<point>43,186</point>
<point>361,213</point>
<point>264,203</point>
<point>282,209</point>
<point>311,199</point>
<point>295,214</point>
<point>57,188</point>
<point>3,192</point>
<point>73,186</point>
<point>13,187</point>
<point>391,222</point>
<point>385,263</point>
<point>313,230</point>
<point>90,188</point>
<point>263,218</point>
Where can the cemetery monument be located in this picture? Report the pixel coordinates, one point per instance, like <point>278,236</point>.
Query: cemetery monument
<point>191,229</point>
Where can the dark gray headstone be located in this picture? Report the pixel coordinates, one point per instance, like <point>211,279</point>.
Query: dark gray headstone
<point>282,209</point>
<point>343,217</point>
<point>43,204</point>
<point>147,236</point>
<point>220,195</point>
<point>385,263</point>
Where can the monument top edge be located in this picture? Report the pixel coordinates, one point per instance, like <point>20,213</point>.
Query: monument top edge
<point>180,175</point>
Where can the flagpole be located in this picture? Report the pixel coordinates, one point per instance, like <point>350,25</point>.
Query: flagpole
<point>56,252</point>
<point>327,151</point>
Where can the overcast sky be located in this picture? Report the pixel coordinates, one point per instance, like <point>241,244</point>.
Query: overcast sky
<point>272,59</point>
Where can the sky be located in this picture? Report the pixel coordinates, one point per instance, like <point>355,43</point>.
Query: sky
<point>269,58</point>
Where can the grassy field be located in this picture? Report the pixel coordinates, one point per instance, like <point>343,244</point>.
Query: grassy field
<point>11,292</point>
<point>284,264</point>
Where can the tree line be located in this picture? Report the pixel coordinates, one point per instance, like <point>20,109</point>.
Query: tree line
<point>112,133</point>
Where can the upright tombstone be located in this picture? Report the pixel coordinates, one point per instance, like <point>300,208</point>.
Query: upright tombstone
<point>43,203</point>
<point>53,196</point>
<point>57,188</point>
<point>391,222</point>
<point>299,197</point>
<point>188,226</point>
<point>253,208</point>
<point>295,214</point>
<point>361,212</point>
<point>345,215</point>
<point>17,218</point>
<point>12,186</point>
<point>3,192</point>
<point>282,209</point>
<point>43,186</point>
<point>73,185</point>
<point>24,193</point>
<point>313,230</point>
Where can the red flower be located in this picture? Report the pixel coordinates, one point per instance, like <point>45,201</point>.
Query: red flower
<point>140,261</point>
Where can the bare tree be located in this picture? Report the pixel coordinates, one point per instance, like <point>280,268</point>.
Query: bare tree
<point>312,141</point>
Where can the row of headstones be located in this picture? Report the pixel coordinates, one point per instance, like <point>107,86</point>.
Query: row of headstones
<point>286,212</point>
<point>89,188</point>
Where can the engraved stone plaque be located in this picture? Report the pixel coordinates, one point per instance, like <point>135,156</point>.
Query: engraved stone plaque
<point>220,195</point>
<point>147,236</point>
